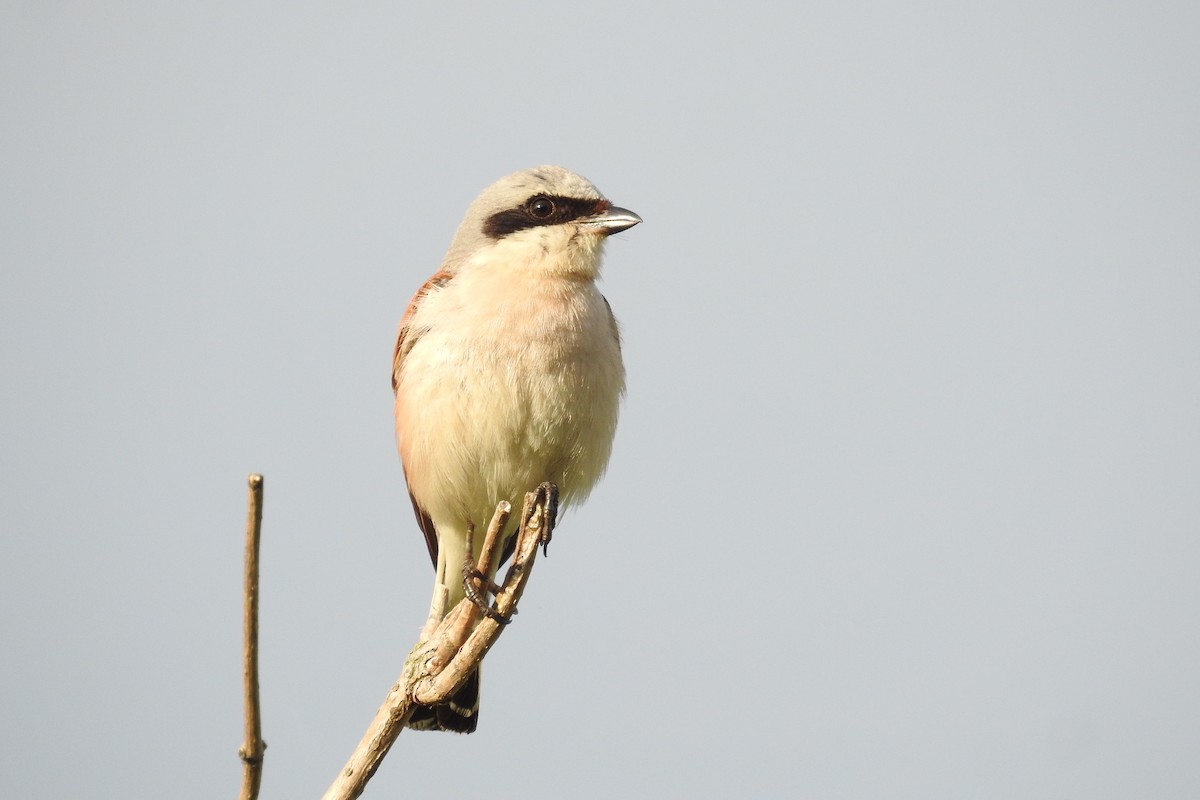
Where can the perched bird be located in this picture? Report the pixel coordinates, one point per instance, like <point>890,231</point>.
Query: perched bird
<point>507,372</point>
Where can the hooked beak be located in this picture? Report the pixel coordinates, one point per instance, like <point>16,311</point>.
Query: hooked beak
<point>614,220</point>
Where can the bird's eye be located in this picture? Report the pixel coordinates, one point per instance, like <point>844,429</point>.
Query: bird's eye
<point>541,207</point>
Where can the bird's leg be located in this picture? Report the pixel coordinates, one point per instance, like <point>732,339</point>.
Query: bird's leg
<point>551,492</point>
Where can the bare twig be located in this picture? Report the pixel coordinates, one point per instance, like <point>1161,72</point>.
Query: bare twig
<point>253,748</point>
<point>450,648</point>
<point>437,682</point>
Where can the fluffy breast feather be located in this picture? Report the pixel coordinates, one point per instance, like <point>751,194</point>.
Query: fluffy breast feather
<point>501,383</point>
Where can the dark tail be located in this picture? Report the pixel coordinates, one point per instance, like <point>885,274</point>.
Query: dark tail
<point>459,714</point>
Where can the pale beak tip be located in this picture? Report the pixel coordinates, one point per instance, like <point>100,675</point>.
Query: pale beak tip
<point>614,220</point>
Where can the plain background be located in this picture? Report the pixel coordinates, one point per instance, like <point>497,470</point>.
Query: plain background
<point>904,501</point>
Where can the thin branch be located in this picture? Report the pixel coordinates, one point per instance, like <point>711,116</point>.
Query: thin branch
<point>438,682</point>
<point>254,747</point>
<point>450,648</point>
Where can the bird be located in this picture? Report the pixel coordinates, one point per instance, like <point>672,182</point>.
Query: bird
<point>507,373</point>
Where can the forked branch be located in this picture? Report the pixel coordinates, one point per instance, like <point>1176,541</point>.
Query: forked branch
<point>451,647</point>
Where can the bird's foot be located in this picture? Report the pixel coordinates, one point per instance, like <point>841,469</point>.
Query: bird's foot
<point>479,596</point>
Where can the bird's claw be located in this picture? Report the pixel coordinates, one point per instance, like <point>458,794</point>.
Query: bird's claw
<point>471,574</point>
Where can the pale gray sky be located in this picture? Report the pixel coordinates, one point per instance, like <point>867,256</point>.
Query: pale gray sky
<point>906,493</point>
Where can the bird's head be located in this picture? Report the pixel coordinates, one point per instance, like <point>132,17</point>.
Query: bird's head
<point>545,218</point>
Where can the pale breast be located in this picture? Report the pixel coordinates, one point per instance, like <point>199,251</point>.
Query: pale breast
<point>495,398</point>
